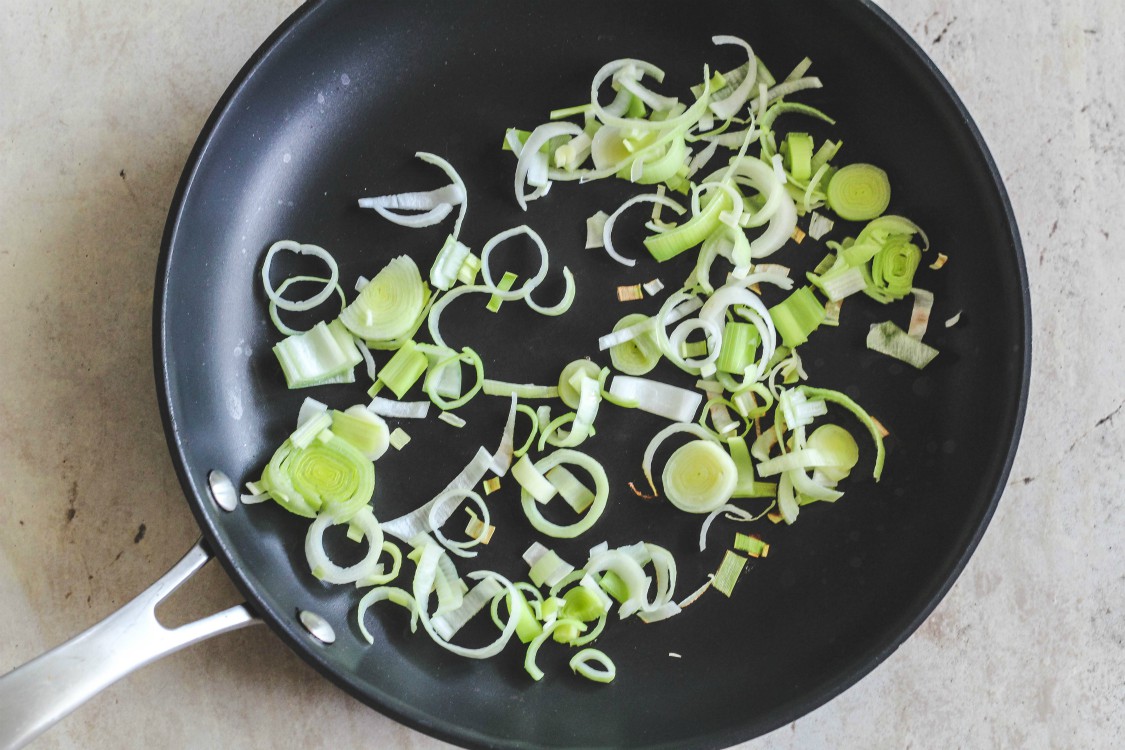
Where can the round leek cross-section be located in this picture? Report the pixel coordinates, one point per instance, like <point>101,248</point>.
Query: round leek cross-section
<point>859,192</point>
<point>330,477</point>
<point>699,477</point>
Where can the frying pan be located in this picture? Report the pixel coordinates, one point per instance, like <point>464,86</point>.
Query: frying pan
<point>331,108</point>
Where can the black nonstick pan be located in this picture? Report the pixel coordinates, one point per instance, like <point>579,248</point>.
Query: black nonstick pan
<point>333,107</point>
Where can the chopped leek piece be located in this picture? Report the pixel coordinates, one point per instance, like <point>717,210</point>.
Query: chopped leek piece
<point>729,571</point>
<point>736,353</point>
<point>452,419</point>
<point>391,305</point>
<point>507,281</point>
<point>859,413</point>
<point>640,354</point>
<point>580,664</point>
<point>819,225</point>
<point>887,338</point>
<point>859,192</point>
<point>403,370</point>
<point>570,380</point>
<point>751,545</point>
<point>324,352</point>
<point>797,316</point>
<point>797,151</point>
<point>364,430</point>
<point>491,485</point>
<point>892,270</point>
<point>399,438</point>
<point>328,476</point>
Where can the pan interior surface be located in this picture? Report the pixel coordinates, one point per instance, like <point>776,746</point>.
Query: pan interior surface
<point>334,106</point>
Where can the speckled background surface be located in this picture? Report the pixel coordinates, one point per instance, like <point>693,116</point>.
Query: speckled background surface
<point>100,103</point>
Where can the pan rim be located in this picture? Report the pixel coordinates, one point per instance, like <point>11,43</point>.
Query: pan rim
<point>287,628</point>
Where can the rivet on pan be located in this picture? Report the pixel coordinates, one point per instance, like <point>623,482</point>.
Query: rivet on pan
<point>317,626</point>
<point>222,490</point>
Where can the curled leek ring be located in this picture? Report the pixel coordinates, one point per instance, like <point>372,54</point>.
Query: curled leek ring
<point>295,247</point>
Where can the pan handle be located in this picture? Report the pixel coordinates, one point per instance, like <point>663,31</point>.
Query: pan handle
<point>36,695</point>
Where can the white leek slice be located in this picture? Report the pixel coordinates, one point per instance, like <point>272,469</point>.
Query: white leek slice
<point>295,247</point>
<point>502,458</point>
<point>576,494</point>
<point>530,154</point>
<point>424,579</point>
<point>805,458</point>
<point>442,508</point>
<point>408,526</point>
<point>699,477</point>
<point>385,407</point>
<point>592,514</point>
<point>819,225</point>
<point>533,481</point>
<point>580,664</point>
<point>661,399</point>
<point>326,570</point>
<point>607,229</point>
<point>312,358</point>
<point>448,624</point>
<point>310,409</point>
<point>433,205</point>
<point>386,593</point>
<point>659,438</point>
<point>684,305</point>
<point>729,106</point>
<point>390,305</point>
<point>447,265</point>
<point>595,230</point>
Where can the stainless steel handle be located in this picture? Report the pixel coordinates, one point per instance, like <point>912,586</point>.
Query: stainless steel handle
<point>36,695</point>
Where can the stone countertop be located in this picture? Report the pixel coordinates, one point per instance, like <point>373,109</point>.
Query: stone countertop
<point>100,103</point>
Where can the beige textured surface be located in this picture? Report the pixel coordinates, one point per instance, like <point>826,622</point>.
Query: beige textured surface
<point>99,105</point>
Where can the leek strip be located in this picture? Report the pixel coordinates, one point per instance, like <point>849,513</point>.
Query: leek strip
<point>576,494</point>
<point>400,409</point>
<point>434,320</point>
<point>607,229</point>
<point>532,481</point>
<point>887,338</point>
<point>522,450</point>
<point>678,306</point>
<point>276,318</point>
<point>731,512</point>
<point>669,244</point>
<point>506,283</point>
<point>729,571</point>
<point>326,570</point>
<point>661,399</point>
<point>386,593</point>
<point>592,514</point>
<point>313,250</point>
<point>502,458</point>
<point>920,315</point>
<point>580,664</point>
<point>520,390</point>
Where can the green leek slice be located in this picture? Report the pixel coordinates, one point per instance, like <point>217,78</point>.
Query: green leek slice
<point>859,192</point>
